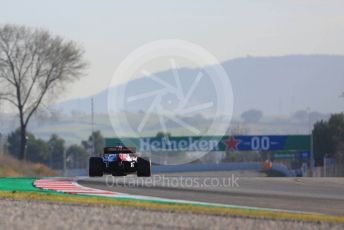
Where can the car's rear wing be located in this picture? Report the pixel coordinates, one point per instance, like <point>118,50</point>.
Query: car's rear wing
<point>119,149</point>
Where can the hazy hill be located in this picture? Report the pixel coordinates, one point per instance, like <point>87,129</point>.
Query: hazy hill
<point>275,85</point>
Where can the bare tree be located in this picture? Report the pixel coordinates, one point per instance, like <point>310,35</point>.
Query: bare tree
<point>34,64</point>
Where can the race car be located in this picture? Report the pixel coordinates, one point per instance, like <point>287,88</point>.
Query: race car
<point>119,161</point>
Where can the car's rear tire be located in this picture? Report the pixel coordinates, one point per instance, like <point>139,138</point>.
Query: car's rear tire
<point>143,167</point>
<point>96,167</point>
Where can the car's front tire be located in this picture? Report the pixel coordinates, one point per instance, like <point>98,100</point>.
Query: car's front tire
<point>96,167</point>
<point>143,167</point>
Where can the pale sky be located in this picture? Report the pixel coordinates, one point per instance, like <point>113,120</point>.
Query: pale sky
<point>110,30</point>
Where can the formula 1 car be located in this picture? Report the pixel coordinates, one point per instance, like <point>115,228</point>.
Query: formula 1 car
<point>119,161</point>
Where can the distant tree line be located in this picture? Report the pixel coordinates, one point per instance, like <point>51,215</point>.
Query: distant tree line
<point>252,116</point>
<point>53,151</point>
<point>328,139</point>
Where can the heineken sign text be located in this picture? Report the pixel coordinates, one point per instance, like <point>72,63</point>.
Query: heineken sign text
<point>215,143</point>
<point>189,144</point>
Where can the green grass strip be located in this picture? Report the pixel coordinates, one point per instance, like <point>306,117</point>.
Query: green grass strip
<point>18,184</point>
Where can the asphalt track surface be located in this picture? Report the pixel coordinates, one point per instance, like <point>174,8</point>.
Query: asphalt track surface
<point>316,195</point>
